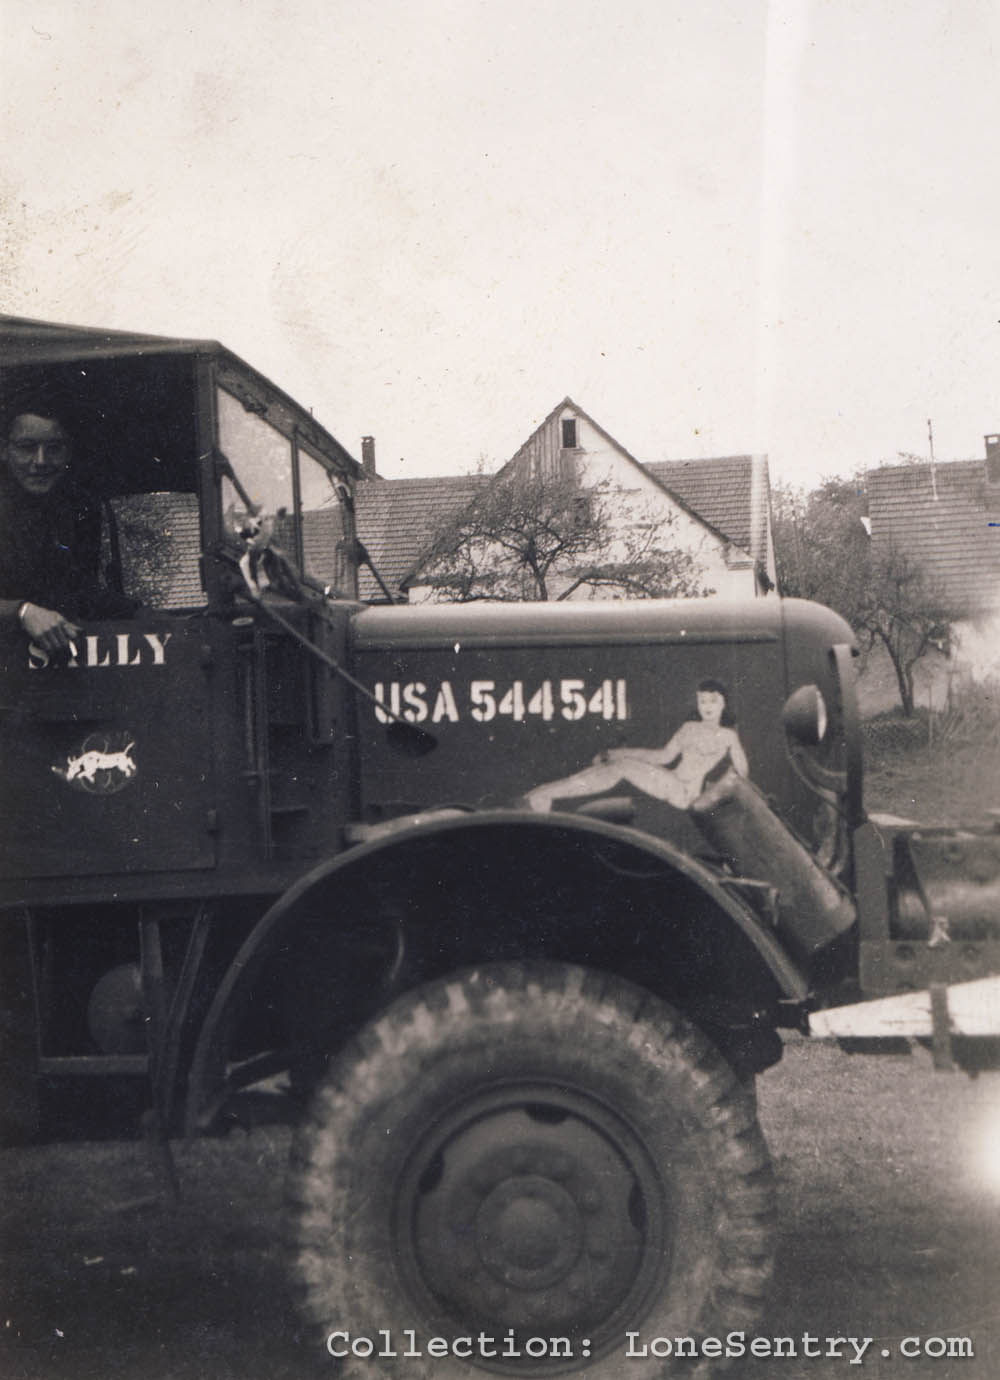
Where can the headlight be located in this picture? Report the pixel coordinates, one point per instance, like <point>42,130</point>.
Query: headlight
<point>804,715</point>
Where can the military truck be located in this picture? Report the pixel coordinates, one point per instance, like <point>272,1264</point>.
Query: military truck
<point>504,906</point>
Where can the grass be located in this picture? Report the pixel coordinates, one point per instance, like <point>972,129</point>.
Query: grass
<point>940,766</point>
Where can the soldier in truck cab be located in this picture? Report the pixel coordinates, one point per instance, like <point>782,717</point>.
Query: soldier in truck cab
<point>704,747</point>
<point>50,528</point>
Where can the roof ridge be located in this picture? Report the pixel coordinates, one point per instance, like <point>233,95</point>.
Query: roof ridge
<point>383,482</point>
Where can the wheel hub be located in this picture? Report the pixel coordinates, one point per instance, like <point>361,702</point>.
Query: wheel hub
<point>528,1232</point>
<point>530,1214</point>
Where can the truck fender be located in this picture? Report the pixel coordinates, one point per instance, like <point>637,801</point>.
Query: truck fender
<point>415,847</point>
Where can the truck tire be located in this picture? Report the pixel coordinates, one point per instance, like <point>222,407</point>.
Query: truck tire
<point>540,1155</point>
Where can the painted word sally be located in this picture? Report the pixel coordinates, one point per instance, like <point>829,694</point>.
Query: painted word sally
<point>485,700</point>
<point>113,649</point>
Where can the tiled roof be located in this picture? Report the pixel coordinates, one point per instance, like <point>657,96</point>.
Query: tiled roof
<point>943,519</point>
<point>718,490</point>
<point>397,519</point>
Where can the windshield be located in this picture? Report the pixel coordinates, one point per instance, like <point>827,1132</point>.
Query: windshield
<point>282,493</point>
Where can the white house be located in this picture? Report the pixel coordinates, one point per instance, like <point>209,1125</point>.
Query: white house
<point>717,510</point>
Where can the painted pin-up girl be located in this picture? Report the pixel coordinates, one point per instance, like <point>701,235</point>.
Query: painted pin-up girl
<point>675,772</point>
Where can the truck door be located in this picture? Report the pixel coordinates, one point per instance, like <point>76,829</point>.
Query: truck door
<point>105,756</point>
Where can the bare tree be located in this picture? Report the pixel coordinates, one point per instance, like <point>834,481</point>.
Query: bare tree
<point>821,546</point>
<point>906,612</point>
<point>823,552</point>
<point>535,537</point>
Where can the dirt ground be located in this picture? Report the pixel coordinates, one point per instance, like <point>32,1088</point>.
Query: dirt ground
<point>937,783</point>
<point>937,767</point>
<point>890,1229</point>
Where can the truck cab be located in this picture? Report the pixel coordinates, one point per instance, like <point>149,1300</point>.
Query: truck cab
<point>144,752</point>
<point>184,761</point>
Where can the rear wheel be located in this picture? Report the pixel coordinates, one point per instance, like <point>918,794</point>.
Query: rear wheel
<point>529,1161</point>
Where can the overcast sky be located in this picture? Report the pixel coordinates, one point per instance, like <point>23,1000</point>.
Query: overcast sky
<point>718,225</point>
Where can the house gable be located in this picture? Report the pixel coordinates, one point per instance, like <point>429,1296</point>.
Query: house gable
<point>595,458</point>
<point>718,509</point>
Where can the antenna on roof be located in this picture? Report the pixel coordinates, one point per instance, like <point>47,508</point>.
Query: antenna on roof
<point>930,439</point>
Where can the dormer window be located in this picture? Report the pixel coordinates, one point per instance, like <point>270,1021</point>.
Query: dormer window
<point>569,441</point>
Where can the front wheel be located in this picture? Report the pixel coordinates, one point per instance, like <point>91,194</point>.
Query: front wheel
<point>515,1168</point>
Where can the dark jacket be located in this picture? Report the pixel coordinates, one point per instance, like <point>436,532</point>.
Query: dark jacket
<point>50,551</point>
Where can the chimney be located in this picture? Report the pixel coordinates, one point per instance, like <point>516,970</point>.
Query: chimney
<point>992,459</point>
<point>760,532</point>
<point>368,457</point>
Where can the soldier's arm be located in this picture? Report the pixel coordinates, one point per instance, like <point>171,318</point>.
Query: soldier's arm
<point>47,628</point>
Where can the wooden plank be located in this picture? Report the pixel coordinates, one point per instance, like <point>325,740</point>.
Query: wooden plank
<point>973,1009</point>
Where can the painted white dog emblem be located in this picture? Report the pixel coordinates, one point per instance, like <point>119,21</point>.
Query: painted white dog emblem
<point>99,770</point>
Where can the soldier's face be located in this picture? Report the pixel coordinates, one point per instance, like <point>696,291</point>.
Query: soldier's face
<point>37,453</point>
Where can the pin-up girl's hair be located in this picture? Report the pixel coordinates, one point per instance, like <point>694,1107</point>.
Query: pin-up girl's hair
<point>717,687</point>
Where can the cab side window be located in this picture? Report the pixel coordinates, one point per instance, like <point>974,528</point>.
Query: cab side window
<point>158,548</point>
